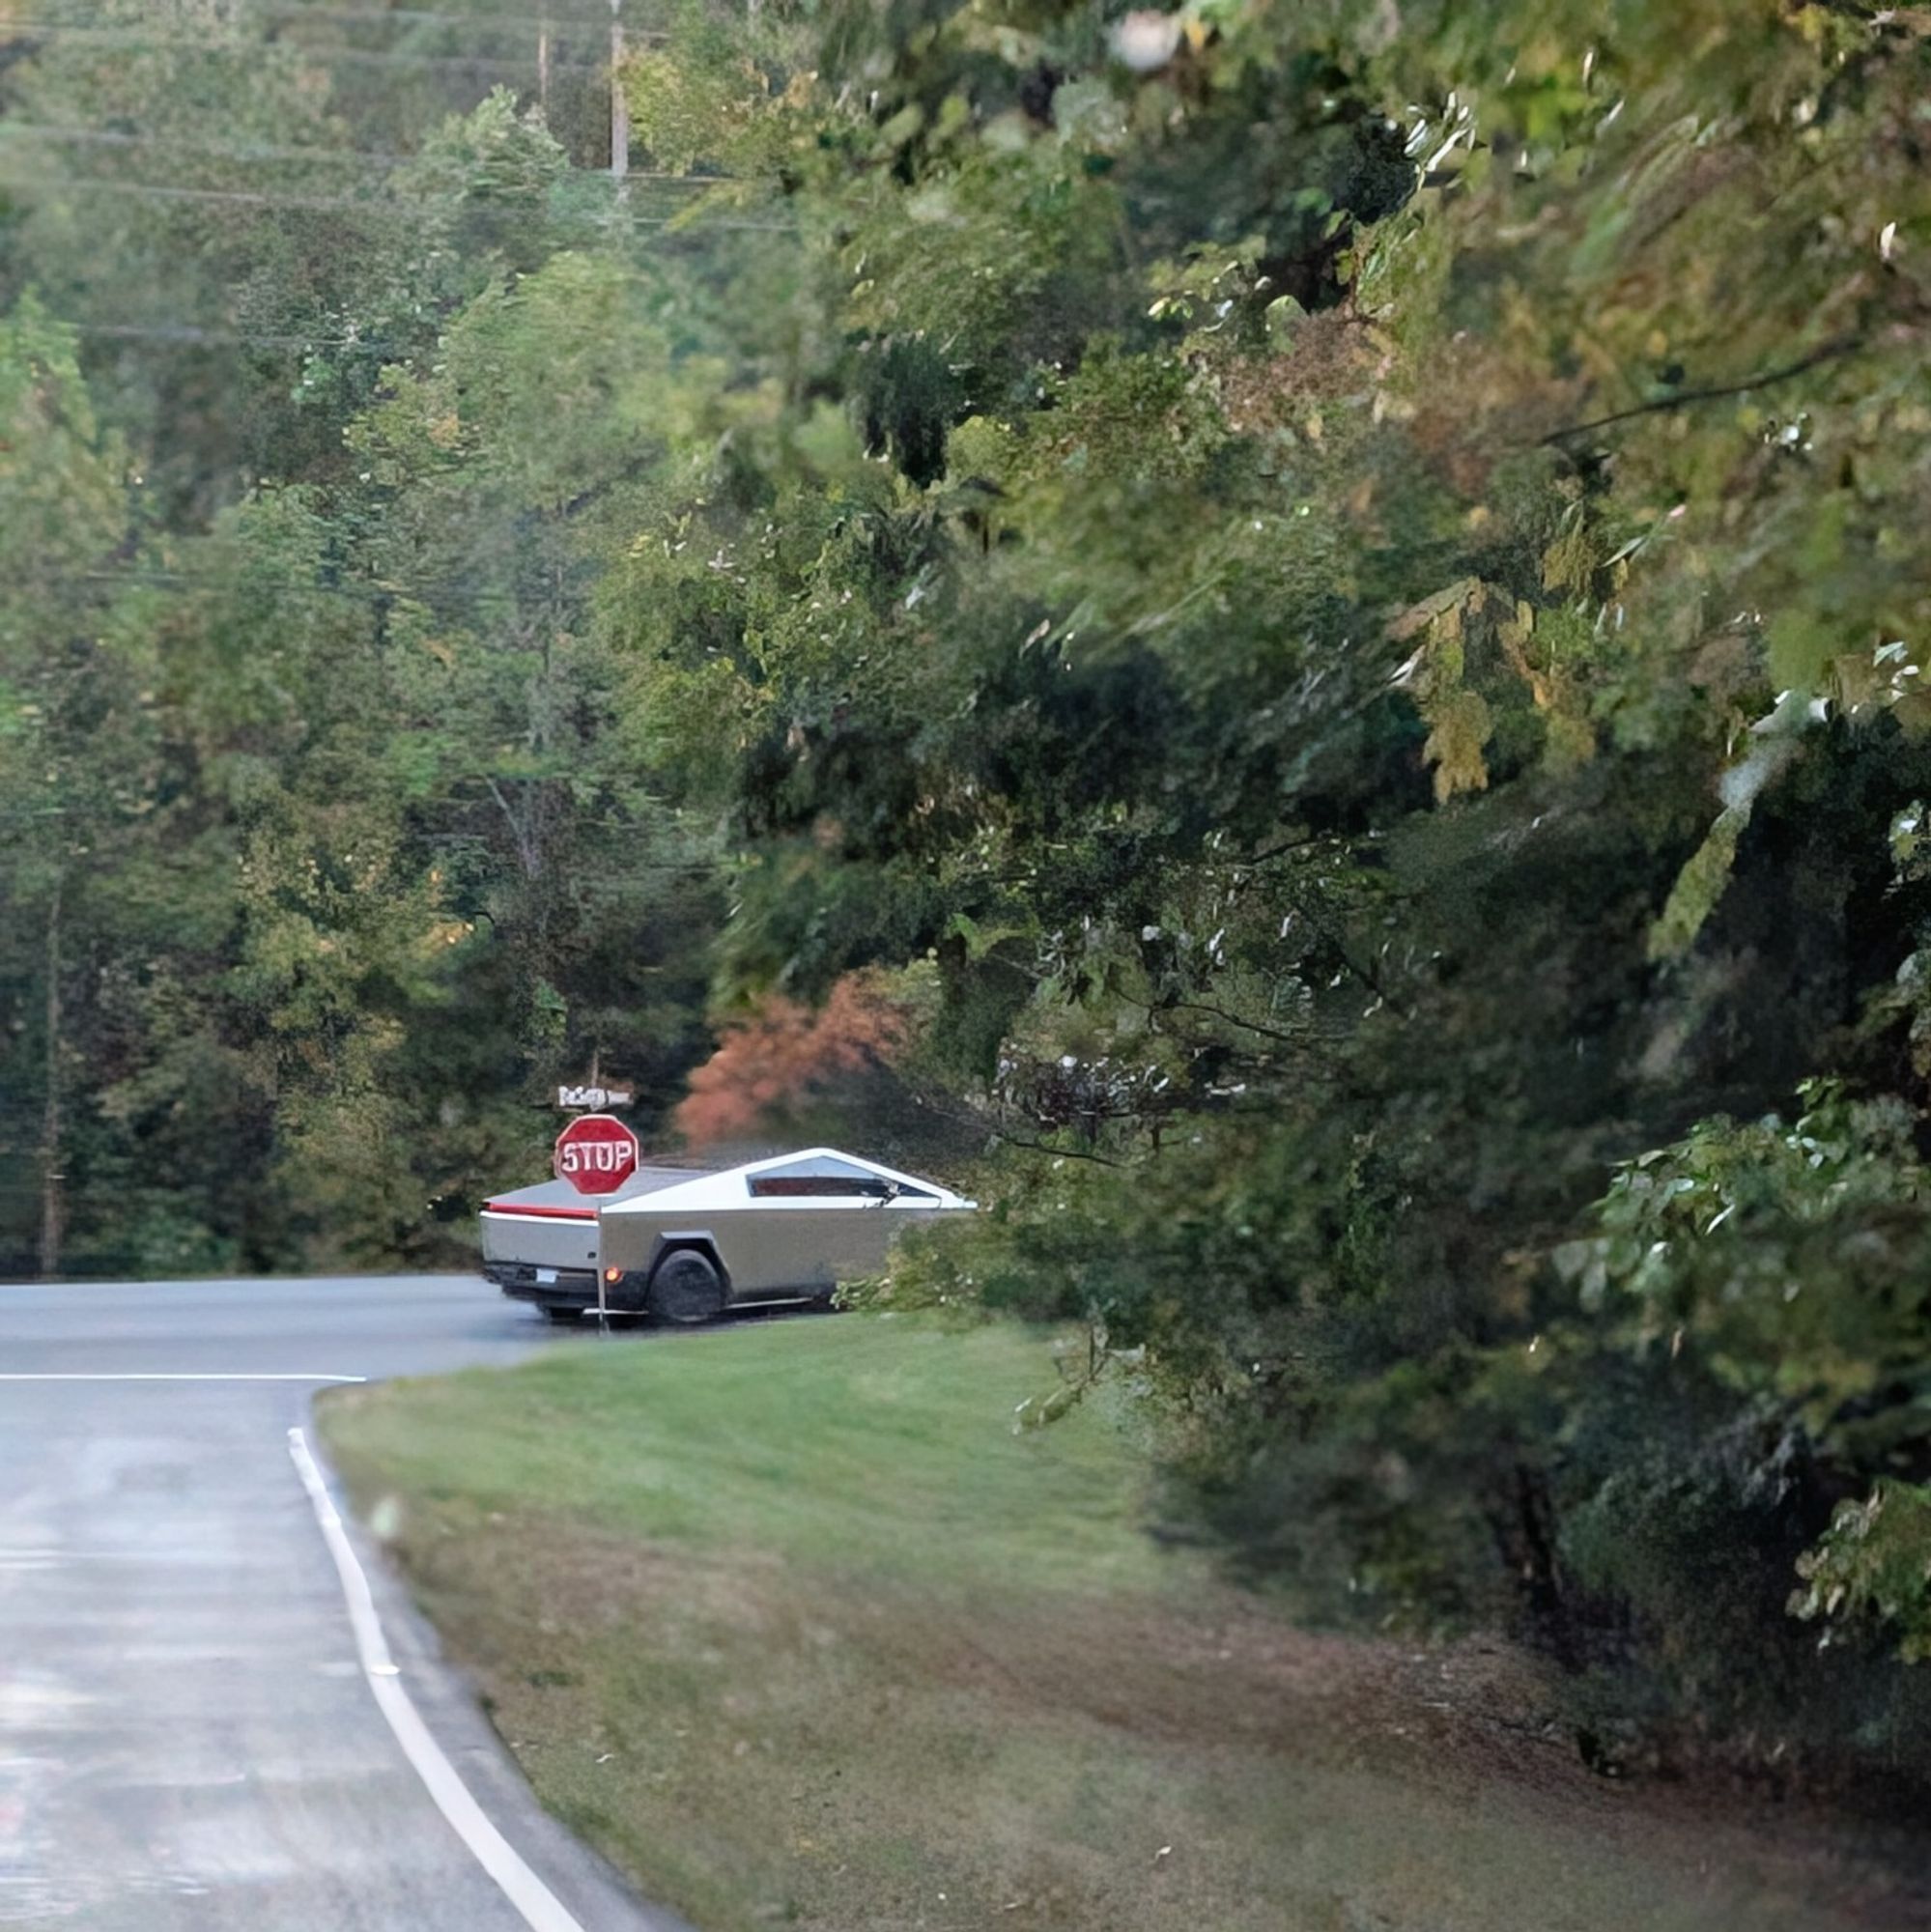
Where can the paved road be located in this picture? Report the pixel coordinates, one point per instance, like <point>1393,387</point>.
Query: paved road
<point>190,1737</point>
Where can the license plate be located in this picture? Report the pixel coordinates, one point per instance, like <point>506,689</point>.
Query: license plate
<point>546,1278</point>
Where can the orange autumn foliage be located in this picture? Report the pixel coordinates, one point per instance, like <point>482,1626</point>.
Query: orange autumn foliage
<point>785,1055</point>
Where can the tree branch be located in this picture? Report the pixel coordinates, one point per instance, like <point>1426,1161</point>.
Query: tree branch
<point>1829,351</point>
<point>1268,852</point>
<point>1058,1152</point>
<point>525,851</point>
<point>1233,1019</point>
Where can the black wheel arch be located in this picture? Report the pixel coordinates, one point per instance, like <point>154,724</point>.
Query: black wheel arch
<point>695,1242</point>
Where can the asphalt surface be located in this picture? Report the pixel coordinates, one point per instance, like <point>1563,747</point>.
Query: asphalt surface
<point>189,1735</point>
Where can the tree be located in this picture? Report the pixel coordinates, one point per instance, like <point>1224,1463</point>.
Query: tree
<point>1371,646</point>
<point>387,868</point>
<point>66,709</point>
<point>774,1067</point>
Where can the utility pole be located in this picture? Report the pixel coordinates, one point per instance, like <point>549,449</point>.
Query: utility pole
<point>543,65</point>
<point>619,106</point>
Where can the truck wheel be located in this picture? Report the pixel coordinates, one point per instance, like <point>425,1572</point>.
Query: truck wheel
<point>687,1289</point>
<point>560,1316</point>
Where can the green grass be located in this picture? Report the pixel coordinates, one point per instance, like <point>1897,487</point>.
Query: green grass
<point>813,1441</point>
<point>789,1621</point>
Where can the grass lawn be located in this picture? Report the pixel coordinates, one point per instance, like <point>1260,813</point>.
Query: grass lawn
<point>786,1620</point>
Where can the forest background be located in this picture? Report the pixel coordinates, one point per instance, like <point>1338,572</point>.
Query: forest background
<point>1290,636</point>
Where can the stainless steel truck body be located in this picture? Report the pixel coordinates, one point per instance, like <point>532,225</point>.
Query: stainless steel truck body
<point>789,1229</point>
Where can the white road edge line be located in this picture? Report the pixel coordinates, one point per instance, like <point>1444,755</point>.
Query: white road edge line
<point>541,1909</point>
<point>207,1376</point>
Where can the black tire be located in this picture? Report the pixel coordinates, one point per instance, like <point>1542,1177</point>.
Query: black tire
<point>687,1289</point>
<point>560,1316</point>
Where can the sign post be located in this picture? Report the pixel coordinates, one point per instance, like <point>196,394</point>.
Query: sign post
<point>596,1154</point>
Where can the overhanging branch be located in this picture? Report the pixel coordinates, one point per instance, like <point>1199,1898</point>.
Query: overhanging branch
<point>1829,351</point>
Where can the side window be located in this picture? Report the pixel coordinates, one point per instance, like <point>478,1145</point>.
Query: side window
<point>823,1175</point>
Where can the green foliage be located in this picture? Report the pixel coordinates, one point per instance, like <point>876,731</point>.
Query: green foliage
<point>328,850</point>
<point>1344,593</point>
<point>1875,1559</point>
<point>1359,616</point>
<point>1786,1268</point>
<point>1795,1258</point>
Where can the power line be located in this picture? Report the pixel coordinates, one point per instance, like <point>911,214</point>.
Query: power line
<point>250,151</point>
<point>254,151</point>
<point>364,203</point>
<point>235,197</point>
<point>193,335</point>
<point>255,49</point>
<point>488,21</point>
<point>428,590</point>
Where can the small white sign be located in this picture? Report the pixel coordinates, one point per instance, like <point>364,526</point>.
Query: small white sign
<point>596,1098</point>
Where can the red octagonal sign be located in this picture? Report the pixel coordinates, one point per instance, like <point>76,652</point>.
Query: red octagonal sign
<point>596,1154</point>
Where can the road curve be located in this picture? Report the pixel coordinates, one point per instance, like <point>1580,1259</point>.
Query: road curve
<point>191,1735</point>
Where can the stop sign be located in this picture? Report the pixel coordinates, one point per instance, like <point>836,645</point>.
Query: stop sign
<point>596,1154</point>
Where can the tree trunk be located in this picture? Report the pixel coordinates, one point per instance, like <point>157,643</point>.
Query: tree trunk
<point>53,1207</point>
